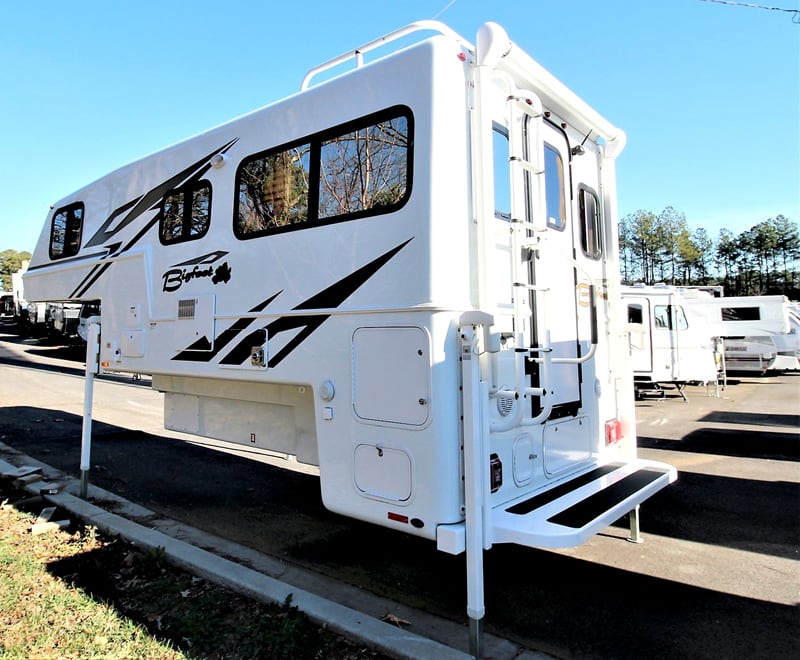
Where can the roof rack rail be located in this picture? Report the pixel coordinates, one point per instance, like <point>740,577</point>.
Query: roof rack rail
<point>358,53</point>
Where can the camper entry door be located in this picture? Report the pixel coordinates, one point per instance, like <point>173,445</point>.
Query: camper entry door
<point>555,310</point>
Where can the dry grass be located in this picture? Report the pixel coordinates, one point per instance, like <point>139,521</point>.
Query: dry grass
<point>78,594</point>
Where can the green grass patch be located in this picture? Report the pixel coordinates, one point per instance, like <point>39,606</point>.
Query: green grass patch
<point>78,594</point>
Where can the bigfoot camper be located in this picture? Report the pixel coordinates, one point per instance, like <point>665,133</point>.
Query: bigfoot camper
<point>405,276</point>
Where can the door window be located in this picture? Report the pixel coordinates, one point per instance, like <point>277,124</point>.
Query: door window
<point>554,188</point>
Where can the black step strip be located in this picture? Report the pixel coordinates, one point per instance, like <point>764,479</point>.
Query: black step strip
<point>567,487</point>
<point>582,513</point>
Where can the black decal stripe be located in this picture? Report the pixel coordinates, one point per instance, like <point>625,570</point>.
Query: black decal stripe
<point>209,258</point>
<point>148,201</point>
<point>328,298</point>
<point>152,198</point>
<point>311,323</point>
<point>337,293</point>
<point>190,354</point>
<point>114,250</point>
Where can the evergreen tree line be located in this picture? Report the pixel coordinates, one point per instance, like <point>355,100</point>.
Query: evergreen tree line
<point>763,260</point>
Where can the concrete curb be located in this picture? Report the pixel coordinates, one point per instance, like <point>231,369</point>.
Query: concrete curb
<point>389,639</point>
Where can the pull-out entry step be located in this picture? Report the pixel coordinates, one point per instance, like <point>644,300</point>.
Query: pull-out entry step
<point>570,513</point>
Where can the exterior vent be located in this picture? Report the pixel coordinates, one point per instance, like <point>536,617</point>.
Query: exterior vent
<point>186,308</point>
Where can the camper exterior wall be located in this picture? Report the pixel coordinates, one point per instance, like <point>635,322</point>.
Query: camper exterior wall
<point>348,343</point>
<point>414,281</point>
<point>760,332</point>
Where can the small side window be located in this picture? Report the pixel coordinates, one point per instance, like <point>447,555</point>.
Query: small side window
<point>590,224</point>
<point>502,178</point>
<point>554,188</point>
<point>635,314</point>
<point>185,213</point>
<point>65,232</point>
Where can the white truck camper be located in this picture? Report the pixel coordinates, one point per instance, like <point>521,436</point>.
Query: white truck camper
<point>405,276</point>
<point>761,333</point>
<point>669,343</point>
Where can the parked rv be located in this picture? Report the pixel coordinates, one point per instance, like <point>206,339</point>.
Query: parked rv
<point>761,333</point>
<point>405,276</point>
<point>62,320</point>
<point>6,303</point>
<point>669,344</point>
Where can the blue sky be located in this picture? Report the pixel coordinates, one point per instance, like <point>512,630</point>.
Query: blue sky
<point>707,92</point>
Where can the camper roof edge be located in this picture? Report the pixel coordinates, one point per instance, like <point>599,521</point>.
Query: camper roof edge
<point>563,101</point>
<point>357,53</point>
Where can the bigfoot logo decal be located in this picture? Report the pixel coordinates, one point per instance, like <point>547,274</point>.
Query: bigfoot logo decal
<point>233,345</point>
<point>200,267</point>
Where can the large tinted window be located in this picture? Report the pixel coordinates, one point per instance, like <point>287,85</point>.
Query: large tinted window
<point>185,213</point>
<point>65,232</point>
<point>273,191</point>
<point>364,169</point>
<point>358,169</point>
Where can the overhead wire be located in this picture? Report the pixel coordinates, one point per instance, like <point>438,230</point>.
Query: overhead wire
<point>795,12</point>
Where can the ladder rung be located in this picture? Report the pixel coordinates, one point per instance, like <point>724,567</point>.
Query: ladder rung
<point>523,105</point>
<point>526,165</point>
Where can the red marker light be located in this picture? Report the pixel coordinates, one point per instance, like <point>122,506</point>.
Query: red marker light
<point>462,57</point>
<point>397,517</point>
<point>613,431</point>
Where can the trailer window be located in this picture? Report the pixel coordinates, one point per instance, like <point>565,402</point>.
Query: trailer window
<point>590,223</point>
<point>635,314</point>
<point>554,188</point>
<point>364,169</point>
<point>65,232</point>
<point>273,191</point>
<point>355,170</point>
<point>741,314</point>
<point>502,179</point>
<point>670,317</point>
<point>185,213</point>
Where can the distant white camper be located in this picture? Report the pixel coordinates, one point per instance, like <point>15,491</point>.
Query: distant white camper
<point>405,277</point>
<point>669,344</point>
<point>761,333</point>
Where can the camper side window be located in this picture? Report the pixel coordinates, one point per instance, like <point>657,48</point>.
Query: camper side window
<point>65,232</point>
<point>670,317</point>
<point>502,178</point>
<point>185,213</point>
<point>741,314</point>
<point>554,188</point>
<point>590,223</point>
<point>273,191</point>
<point>635,314</point>
<point>355,170</point>
<point>364,169</point>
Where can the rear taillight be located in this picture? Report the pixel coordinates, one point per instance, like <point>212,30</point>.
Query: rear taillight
<point>613,431</point>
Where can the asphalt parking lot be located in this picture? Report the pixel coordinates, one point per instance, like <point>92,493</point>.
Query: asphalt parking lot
<point>717,576</point>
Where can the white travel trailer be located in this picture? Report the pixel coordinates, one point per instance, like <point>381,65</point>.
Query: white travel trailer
<point>761,333</point>
<point>669,343</point>
<point>405,276</point>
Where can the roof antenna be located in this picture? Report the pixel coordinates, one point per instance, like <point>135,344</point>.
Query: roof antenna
<point>444,9</point>
<point>579,150</point>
